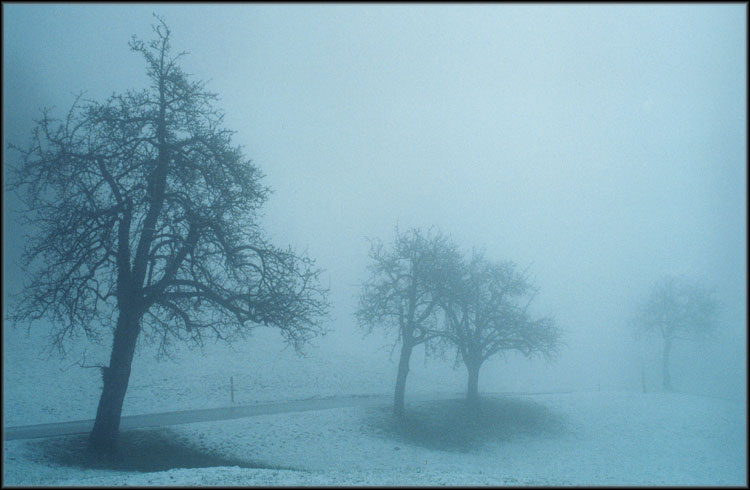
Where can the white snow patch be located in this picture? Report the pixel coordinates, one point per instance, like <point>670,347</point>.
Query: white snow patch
<point>610,437</point>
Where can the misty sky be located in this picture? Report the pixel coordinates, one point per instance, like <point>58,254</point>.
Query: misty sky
<point>603,145</point>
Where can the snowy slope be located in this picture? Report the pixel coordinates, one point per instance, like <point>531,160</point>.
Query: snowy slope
<point>604,438</point>
<point>607,438</point>
<point>38,389</point>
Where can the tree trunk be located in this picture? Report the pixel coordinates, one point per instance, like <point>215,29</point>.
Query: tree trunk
<point>472,393</point>
<point>666,378</point>
<point>403,370</point>
<point>103,437</point>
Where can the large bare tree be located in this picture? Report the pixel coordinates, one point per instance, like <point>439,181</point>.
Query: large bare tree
<point>677,309</point>
<point>145,220</point>
<point>400,294</point>
<point>486,306</point>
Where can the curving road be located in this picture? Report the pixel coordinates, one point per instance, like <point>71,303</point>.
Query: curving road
<point>225,413</point>
<point>188,416</point>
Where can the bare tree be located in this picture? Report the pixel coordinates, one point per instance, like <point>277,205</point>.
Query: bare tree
<point>400,294</point>
<point>486,307</point>
<point>677,309</point>
<point>145,221</point>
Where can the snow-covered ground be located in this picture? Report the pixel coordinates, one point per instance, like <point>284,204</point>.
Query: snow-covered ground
<point>41,389</point>
<point>606,438</point>
<point>578,438</point>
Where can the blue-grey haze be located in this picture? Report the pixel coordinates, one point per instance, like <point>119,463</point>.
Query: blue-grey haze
<point>603,145</point>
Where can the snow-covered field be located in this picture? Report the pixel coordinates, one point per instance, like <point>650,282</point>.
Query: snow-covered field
<point>605,438</point>
<point>38,389</point>
<point>579,438</point>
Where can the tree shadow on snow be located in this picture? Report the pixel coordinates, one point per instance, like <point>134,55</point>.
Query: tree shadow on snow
<point>452,425</point>
<point>143,450</point>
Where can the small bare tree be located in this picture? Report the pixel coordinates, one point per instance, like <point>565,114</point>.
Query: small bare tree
<point>486,307</point>
<point>677,309</point>
<point>400,294</point>
<point>144,217</point>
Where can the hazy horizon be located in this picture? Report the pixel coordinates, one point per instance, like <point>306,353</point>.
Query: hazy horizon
<point>601,145</point>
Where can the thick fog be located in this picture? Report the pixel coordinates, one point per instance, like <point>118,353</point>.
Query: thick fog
<point>602,146</point>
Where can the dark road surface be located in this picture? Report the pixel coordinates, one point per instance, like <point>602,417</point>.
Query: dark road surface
<point>188,416</point>
<point>213,414</point>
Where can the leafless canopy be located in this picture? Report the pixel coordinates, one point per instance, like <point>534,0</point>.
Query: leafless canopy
<point>400,292</point>
<point>141,204</point>
<point>486,307</point>
<point>678,308</point>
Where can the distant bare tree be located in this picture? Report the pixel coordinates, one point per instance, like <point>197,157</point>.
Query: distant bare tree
<point>486,307</point>
<point>400,294</point>
<point>677,309</point>
<point>144,217</point>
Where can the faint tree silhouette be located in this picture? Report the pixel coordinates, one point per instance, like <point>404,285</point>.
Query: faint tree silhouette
<point>400,294</point>
<point>677,309</point>
<point>486,307</point>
